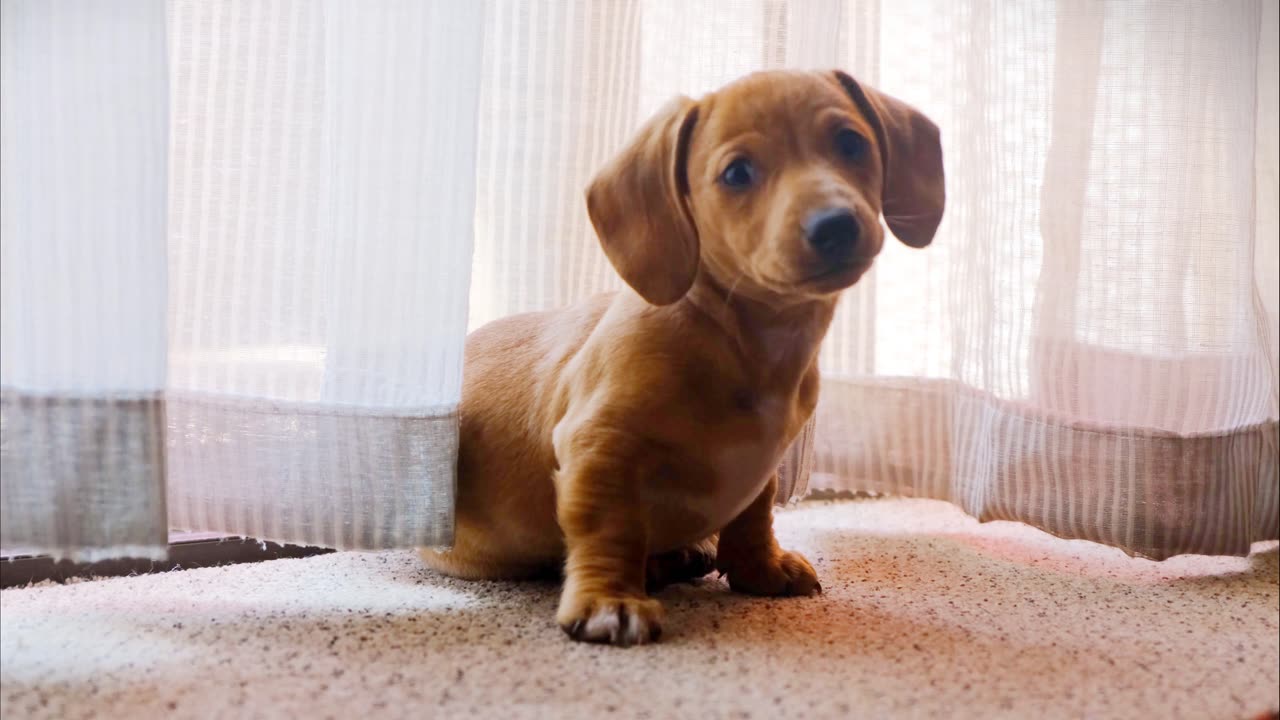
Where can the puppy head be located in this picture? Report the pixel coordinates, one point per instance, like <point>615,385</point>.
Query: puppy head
<point>773,185</point>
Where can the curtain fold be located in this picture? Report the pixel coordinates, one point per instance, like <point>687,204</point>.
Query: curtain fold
<point>323,186</point>
<point>83,142</point>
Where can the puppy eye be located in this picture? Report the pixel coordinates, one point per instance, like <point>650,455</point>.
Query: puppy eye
<point>739,174</point>
<point>850,144</point>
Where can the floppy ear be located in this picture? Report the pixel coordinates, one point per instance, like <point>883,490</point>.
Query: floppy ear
<point>913,191</point>
<point>639,206</point>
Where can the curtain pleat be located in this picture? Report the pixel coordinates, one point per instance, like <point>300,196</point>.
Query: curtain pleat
<point>323,188</point>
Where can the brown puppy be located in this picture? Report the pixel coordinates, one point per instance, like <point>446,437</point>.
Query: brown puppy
<point>630,425</point>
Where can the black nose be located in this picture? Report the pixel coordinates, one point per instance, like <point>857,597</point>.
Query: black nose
<point>833,232</point>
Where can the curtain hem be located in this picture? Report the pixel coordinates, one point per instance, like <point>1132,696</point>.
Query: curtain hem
<point>311,475</point>
<point>1151,493</point>
<point>82,476</point>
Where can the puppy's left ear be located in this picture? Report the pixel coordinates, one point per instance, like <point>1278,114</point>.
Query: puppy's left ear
<point>913,191</point>
<point>639,205</point>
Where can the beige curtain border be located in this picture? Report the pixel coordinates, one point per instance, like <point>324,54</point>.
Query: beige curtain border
<point>1151,493</point>
<point>83,477</point>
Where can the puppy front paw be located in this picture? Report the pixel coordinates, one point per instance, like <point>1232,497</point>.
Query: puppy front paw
<point>613,619</point>
<point>782,573</point>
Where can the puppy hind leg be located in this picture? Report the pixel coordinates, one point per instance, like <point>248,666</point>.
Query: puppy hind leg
<point>684,564</point>
<point>476,555</point>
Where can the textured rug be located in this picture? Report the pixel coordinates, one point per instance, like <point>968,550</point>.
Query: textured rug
<point>925,613</point>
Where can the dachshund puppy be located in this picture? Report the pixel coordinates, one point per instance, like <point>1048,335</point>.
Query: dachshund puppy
<point>634,437</point>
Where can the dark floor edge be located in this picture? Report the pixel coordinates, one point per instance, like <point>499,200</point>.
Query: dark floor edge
<point>26,570</point>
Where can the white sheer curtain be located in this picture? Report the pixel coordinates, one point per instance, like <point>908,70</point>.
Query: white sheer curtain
<point>1089,345</point>
<point>83,148</point>
<point>303,384</point>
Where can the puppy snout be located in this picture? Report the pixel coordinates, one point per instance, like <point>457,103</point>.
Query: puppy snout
<point>833,233</point>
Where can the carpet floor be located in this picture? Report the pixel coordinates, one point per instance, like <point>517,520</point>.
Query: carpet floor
<point>925,613</point>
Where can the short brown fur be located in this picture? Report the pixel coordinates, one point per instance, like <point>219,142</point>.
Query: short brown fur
<point>633,437</point>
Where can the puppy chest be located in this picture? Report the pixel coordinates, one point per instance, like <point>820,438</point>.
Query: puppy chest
<point>740,474</point>
<point>700,496</point>
<point>715,475</point>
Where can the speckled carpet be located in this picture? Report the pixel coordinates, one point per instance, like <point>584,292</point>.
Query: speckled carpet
<point>925,614</point>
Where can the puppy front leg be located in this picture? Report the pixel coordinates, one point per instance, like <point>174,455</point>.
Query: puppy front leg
<point>749,554</point>
<point>606,536</point>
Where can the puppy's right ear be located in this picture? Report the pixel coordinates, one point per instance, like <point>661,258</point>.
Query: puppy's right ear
<point>639,205</point>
